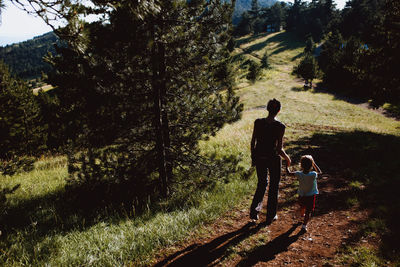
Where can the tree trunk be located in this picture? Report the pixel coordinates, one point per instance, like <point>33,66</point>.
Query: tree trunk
<point>160,115</point>
<point>164,113</point>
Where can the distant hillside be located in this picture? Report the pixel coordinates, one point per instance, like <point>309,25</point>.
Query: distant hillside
<point>244,5</point>
<point>25,59</point>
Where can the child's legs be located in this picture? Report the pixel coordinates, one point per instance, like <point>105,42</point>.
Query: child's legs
<point>302,206</point>
<point>306,217</point>
<point>310,206</point>
<point>301,210</point>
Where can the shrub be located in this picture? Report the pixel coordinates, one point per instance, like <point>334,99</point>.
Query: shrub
<point>307,69</point>
<point>254,71</point>
<point>265,61</point>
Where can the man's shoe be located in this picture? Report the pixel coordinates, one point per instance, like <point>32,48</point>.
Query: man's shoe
<point>254,219</point>
<point>270,220</point>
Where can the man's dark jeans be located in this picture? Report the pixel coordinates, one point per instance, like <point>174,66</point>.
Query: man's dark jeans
<point>263,166</point>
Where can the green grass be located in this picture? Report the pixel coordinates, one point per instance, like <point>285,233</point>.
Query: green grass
<point>346,139</point>
<point>392,109</point>
<point>360,256</point>
<point>110,241</point>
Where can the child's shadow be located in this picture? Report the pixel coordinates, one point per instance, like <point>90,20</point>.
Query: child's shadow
<point>217,249</point>
<point>268,251</point>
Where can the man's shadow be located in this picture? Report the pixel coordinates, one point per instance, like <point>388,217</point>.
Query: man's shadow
<point>217,249</point>
<point>269,251</point>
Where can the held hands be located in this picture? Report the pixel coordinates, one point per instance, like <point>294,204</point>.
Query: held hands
<point>288,162</point>
<point>288,172</point>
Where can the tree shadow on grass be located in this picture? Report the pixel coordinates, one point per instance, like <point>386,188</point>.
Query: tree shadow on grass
<point>299,55</point>
<point>250,39</point>
<point>347,96</point>
<point>285,40</point>
<point>57,210</point>
<point>217,249</point>
<point>321,88</point>
<point>300,88</point>
<point>38,219</point>
<point>369,165</point>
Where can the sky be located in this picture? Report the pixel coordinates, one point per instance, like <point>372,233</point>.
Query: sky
<point>17,25</point>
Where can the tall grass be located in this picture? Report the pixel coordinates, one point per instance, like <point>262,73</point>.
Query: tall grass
<point>109,241</point>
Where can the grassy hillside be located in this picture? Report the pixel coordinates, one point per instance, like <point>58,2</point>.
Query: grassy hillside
<point>40,227</point>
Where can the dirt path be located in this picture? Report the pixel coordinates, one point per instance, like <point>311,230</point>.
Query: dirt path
<point>233,241</point>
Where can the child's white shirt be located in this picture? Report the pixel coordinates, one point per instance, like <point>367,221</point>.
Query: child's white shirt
<point>307,183</point>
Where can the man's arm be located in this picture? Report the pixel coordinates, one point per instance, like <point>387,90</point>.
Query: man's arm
<point>288,172</point>
<point>280,150</point>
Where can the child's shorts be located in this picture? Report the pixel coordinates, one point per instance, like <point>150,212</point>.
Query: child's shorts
<point>308,202</point>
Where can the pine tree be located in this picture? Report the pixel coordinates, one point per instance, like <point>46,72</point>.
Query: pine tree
<point>255,9</point>
<point>149,102</point>
<point>254,71</point>
<point>277,15</point>
<point>265,61</point>
<point>231,44</point>
<point>310,46</point>
<point>245,25</point>
<point>307,69</point>
<point>21,132</point>
<point>330,57</point>
<point>383,56</point>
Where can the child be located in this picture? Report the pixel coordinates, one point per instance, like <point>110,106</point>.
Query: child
<point>307,186</point>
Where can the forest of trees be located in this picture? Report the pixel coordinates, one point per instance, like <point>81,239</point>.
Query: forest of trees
<point>132,113</point>
<point>25,59</point>
<point>359,57</point>
<point>242,6</point>
<point>358,45</point>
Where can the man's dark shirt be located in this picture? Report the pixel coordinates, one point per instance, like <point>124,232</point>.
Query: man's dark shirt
<point>267,135</point>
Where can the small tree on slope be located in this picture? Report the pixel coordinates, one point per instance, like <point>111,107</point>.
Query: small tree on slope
<point>307,69</point>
